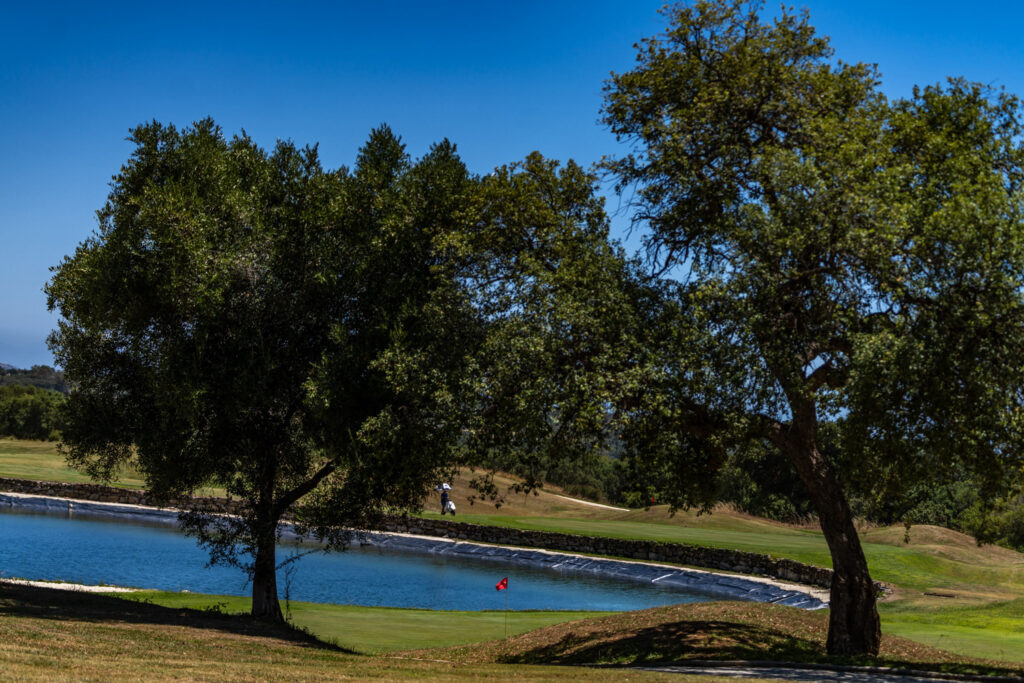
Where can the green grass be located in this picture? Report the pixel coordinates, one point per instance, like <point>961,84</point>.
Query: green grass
<point>809,545</point>
<point>966,631</point>
<point>48,635</point>
<point>987,619</point>
<point>710,631</point>
<point>905,566</point>
<point>40,461</point>
<point>990,631</point>
<point>378,629</point>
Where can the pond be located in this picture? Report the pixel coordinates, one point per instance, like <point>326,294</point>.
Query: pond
<point>90,551</point>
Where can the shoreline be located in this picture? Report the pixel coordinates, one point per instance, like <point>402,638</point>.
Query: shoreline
<point>74,587</point>
<point>714,584</point>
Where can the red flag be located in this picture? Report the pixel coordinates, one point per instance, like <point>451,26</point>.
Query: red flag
<point>502,585</point>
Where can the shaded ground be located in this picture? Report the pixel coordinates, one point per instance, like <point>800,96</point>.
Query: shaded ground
<point>708,631</point>
<point>48,635</point>
<point>32,602</point>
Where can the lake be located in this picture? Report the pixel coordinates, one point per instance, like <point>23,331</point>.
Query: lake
<point>89,551</point>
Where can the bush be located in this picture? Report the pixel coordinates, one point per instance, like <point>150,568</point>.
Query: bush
<point>1001,523</point>
<point>28,412</point>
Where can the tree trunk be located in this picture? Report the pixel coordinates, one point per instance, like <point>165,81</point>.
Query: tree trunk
<point>854,627</point>
<point>265,604</point>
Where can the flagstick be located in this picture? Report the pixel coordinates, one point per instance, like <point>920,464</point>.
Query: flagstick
<point>506,613</point>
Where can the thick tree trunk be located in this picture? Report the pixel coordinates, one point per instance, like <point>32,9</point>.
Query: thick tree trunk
<point>265,604</point>
<point>854,627</point>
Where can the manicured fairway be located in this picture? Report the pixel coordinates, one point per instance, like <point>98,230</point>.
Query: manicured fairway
<point>40,461</point>
<point>918,565</point>
<point>991,631</point>
<point>379,629</point>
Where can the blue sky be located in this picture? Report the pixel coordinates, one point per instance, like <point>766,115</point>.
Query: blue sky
<point>499,79</point>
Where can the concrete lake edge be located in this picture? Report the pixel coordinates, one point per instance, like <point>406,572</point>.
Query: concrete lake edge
<point>720,559</point>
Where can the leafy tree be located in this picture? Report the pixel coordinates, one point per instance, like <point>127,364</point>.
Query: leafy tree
<point>557,300</point>
<point>1000,521</point>
<point>28,412</point>
<point>249,320</point>
<point>838,256</point>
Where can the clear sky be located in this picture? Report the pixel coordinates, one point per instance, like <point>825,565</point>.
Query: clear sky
<point>498,79</point>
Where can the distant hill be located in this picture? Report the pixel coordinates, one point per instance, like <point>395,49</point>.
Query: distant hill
<point>42,376</point>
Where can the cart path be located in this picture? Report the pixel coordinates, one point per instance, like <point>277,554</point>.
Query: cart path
<point>587,502</point>
<point>812,674</point>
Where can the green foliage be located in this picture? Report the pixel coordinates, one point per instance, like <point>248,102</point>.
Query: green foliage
<point>757,481</point>
<point>556,298</point>
<point>1000,522</point>
<point>28,412</point>
<point>597,477</point>
<point>249,320</point>
<point>837,258</point>
<point>838,249</point>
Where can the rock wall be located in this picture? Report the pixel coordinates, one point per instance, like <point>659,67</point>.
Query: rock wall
<point>675,553</point>
<point>652,551</point>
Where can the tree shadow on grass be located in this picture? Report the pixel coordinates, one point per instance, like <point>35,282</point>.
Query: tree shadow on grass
<point>673,641</point>
<point>50,603</point>
<point>712,639</point>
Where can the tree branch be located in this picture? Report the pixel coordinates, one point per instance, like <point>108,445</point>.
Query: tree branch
<point>286,500</point>
<point>826,375</point>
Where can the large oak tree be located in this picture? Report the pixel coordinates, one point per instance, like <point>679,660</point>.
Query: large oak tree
<point>829,257</point>
<point>251,321</point>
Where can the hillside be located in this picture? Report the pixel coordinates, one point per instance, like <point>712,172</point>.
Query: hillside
<point>41,376</point>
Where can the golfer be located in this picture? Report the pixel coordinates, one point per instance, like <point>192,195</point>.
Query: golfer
<point>444,488</point>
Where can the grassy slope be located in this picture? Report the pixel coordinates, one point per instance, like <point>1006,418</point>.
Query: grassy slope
<point>986,581</point>
<point>48,635</point>
<point>722,630</point>
<point>39,460</point>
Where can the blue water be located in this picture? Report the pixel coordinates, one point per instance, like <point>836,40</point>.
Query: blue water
<point>48,547</point>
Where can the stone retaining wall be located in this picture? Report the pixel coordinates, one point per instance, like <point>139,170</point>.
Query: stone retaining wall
<point>652,551</point>
<point>676,553</point>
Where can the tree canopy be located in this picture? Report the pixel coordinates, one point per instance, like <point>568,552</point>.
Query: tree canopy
<point>557,301</point>
<point>250,320</point>
<point>830,258</point>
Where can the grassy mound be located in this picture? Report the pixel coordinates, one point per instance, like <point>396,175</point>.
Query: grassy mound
<point>707,631</point>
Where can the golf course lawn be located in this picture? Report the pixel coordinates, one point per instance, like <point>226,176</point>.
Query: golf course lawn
<point>370,630</point>
<point>155,635</point>
<point>48,634</point>
<point>948,592</point>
